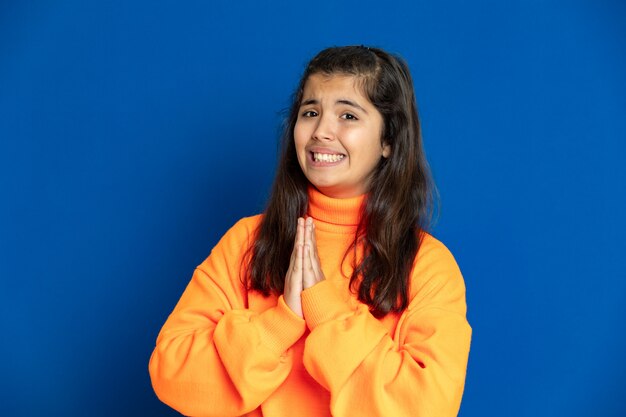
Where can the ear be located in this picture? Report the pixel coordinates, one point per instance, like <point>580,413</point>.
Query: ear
<point>386,150</point>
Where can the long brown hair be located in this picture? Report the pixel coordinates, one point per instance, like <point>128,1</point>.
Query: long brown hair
<point>399,202</point>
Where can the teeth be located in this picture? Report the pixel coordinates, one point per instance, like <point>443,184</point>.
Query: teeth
<point>325,157</point>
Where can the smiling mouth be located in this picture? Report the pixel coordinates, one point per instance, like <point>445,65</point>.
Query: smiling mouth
<point>326,157</point>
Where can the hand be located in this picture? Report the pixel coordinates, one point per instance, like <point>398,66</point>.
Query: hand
<point>293,279</point>
<point>311,266</point>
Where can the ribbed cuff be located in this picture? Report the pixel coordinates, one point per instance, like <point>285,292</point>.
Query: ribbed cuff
<point>321,303</point>
<point>281,327</point>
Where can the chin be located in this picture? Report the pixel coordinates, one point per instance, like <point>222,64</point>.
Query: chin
<point>325,189</point>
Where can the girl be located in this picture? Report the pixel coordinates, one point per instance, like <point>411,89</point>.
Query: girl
<point>336,301</point>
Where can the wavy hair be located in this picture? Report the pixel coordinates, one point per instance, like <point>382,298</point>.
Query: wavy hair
<point>398,206</point>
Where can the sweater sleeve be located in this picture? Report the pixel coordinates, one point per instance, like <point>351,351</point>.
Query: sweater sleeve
<point>418,371</point>
<point>215,357</point>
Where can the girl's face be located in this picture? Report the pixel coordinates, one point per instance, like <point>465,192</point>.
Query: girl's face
<point>338,136</point>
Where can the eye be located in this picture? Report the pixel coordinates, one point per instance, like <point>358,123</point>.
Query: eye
<point>309,113</point>
<point>349,116</point>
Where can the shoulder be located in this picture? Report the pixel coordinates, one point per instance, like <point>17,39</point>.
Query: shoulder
<point>433,253</point>
<point>242,232</point>
<point>436,276</point>
<point>244,228</point>
<point>223,271</point>
<point>237,239</point>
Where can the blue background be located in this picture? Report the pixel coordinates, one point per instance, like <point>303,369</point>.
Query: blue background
<point>133,134</point>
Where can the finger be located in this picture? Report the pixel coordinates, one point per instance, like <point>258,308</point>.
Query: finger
<point>292,258</point>
<point>314,239</point>
<point>307,226</point>
<point>293,283</point>
<point>294,253</point>
<point>298,263</point>
<point>312,264</point>
<point>308,238</point>
<point>315,259</point>
<point>307,269</point>
<point>308,274</point>
<point>293,279</point>
<point>300,231</point>
<point>298,240</point>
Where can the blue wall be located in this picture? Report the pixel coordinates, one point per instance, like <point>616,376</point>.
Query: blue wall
<point>133,134</point>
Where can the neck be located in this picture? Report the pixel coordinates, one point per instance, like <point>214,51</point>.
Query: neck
<point>342,214</point>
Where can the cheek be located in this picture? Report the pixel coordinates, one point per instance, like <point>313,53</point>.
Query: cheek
<point>298,136</point>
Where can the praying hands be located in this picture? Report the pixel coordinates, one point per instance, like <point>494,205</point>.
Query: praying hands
<point>305,269</point>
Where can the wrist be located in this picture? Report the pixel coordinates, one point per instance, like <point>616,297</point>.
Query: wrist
<point>323,302</point>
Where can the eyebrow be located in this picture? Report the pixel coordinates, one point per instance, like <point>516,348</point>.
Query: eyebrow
<point>340,101</point>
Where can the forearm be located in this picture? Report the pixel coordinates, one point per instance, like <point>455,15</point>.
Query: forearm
<point>418,372</point>
<point>222,362</point>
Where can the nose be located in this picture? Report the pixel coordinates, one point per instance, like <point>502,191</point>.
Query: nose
<point>325,129</point>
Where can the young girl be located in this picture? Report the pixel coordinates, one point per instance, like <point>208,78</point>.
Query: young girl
<point>335,301</point>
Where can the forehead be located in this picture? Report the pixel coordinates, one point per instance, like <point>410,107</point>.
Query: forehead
<point>333,85</point>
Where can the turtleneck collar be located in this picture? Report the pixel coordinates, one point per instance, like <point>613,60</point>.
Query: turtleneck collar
<point>343,213</point>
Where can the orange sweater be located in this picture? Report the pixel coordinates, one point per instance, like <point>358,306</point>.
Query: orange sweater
<point>225,351</point>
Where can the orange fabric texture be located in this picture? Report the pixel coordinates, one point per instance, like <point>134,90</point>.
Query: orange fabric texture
<point>225,351</point>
